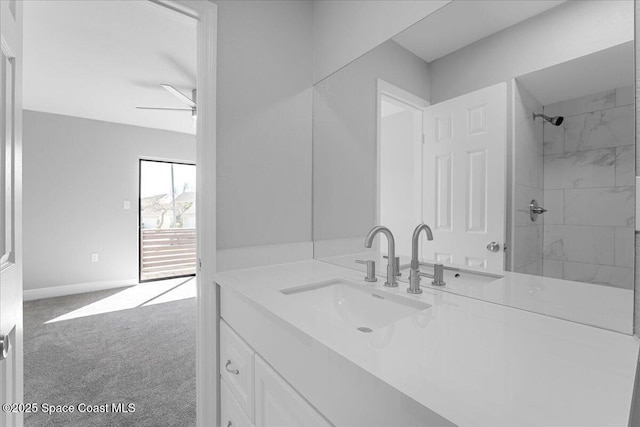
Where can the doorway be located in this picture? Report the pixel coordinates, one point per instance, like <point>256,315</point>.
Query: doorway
<point>400,171</point>
<point>204,73</point>
<point>400,130</point>
<point>167,220</point>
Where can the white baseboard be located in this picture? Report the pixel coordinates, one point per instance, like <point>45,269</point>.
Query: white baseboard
<point>76,288</point>
<point>227,259</point>
<point>258,256</point>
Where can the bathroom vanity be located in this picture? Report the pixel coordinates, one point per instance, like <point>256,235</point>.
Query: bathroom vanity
<point>310,343</point>
<point>475,133</point>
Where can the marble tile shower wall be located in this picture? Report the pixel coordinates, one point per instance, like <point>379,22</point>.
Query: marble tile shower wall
<point>528,183</point>
<point>589,174</point>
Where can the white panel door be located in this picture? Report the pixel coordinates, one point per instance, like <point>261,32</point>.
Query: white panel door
<point>278,404</point>
<point>10,206</point>
<point>464,172</point>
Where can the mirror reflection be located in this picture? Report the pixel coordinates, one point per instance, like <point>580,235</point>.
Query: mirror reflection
<point>513,140</point>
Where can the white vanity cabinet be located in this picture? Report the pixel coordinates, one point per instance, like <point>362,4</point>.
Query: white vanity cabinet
<point>305,383</point>
<point>278,404</point>
<point>252,392</point>
<point>236,367</point>
<point>231,413</point>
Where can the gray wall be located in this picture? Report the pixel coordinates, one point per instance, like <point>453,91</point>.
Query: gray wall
<point>345,147</point>
<point>344,30</point>
<point>264,123</point>
<point>566,32</point>
<point>76,175</point>
<point>265,74</point>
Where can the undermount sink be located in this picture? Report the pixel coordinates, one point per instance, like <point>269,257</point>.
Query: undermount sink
<point>359,306</point>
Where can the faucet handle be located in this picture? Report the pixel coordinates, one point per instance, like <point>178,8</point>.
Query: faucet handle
<point>371,270</point>
<point>437,276</point>
<point>397,263</point>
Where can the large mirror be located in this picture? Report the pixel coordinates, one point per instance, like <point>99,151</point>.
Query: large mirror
<point>508,128</point>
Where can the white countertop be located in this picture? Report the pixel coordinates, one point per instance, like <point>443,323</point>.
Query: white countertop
<point>474,363</point>
<point>597,305</point>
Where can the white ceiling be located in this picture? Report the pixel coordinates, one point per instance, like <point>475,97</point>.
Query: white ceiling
<point>604,70</point>
<point>463,22</point>
<point>100,59</point>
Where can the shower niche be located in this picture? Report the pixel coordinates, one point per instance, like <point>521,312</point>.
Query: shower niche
<point>574,154</point>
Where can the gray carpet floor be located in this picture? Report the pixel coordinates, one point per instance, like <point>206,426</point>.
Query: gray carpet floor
<point>143,355</point>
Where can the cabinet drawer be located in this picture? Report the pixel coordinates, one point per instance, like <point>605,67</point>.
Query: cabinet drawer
<point>231,414</point>
<point>278,404</point>
<point>236,367</point>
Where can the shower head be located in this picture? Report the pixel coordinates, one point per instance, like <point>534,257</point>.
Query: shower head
<point>556,121</point>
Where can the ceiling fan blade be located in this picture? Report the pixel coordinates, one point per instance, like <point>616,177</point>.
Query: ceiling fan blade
<point>160,108</point>
<point>181,96</point>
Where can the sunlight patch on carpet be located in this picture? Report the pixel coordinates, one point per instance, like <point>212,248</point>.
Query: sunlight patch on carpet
<point>141,295</point>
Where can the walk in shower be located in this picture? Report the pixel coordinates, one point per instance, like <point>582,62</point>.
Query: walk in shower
<point>581,171</point>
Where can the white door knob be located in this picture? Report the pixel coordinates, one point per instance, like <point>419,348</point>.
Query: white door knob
<point>493,247</point>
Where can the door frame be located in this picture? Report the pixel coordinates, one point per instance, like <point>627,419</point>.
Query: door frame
<point>207,393</point>
<point>385,89</point>
<point>11,268</point>
<point>140,160</point>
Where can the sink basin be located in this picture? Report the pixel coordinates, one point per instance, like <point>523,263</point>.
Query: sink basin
<point>359,306</point>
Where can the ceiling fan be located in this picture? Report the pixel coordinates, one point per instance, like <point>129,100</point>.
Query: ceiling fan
<point>190,102</point>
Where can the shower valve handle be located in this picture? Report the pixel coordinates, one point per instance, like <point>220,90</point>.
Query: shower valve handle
<point>535,210</point>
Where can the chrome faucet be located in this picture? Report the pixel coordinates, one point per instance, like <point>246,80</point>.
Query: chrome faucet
<point>416,274</point>
<point>391,252</point>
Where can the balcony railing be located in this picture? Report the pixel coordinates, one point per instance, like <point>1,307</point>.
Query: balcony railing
<point>167,253</point>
